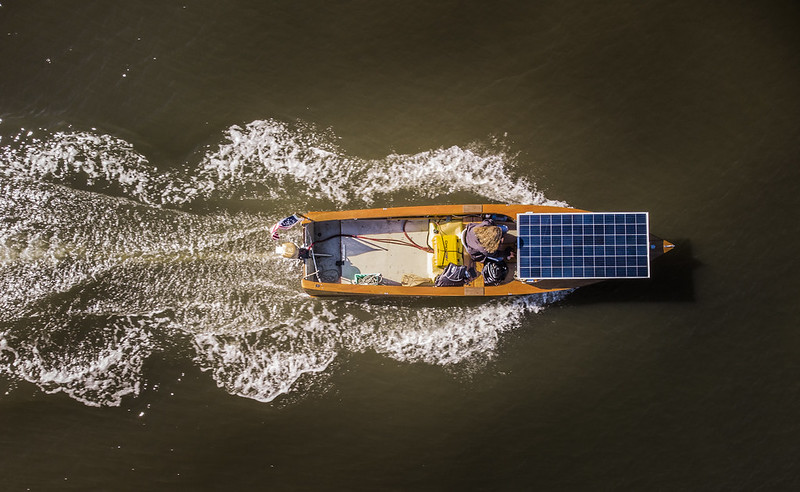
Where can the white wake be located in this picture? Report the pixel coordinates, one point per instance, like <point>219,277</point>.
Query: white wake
<point>100,248</point>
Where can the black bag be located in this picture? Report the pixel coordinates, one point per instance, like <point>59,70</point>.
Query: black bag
<point>494,272</point>
<point>455,275</point>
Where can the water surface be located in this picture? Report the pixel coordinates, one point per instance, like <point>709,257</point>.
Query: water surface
<point>149,339</point>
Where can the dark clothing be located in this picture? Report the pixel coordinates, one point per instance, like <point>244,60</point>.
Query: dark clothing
<point>473,247</point>
<point>455,275</point>
<point>494,272</point>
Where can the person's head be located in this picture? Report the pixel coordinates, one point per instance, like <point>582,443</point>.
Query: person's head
<point>489,237</point>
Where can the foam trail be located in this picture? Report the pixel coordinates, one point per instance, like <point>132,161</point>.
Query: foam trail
<point>97,368</point>
<point>71,255</point>
<point>97,246</point>
<point>445,336</point>
<point>253,370</point>
<point>81,158</point>
<point>274,153</point>
<point>265,159</point>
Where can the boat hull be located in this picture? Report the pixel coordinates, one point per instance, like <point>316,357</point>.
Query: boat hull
<point>514,288</point>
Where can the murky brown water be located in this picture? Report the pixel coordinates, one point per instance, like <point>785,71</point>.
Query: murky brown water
<point>149,341</point>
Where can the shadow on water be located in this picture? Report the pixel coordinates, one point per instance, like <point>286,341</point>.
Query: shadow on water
<point>671,280</point>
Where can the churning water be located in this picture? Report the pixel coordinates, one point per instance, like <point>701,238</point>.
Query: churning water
<point>106,259</point>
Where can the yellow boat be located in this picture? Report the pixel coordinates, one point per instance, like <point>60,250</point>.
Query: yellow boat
<point>400,251</point>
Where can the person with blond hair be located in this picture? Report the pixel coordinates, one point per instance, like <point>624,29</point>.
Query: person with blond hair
<point>483,240</point>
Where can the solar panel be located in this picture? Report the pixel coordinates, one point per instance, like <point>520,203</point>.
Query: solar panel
<point>583,245</point>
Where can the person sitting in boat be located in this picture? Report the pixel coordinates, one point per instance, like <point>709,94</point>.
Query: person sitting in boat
<point>482,240</point>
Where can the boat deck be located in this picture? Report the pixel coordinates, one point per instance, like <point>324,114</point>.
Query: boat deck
<point>392,261</point>
<point>340,257</point>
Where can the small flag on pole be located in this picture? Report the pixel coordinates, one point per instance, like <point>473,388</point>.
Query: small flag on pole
<point>286,223</point>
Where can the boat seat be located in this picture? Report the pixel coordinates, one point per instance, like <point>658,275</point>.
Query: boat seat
<point>446,244</point>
